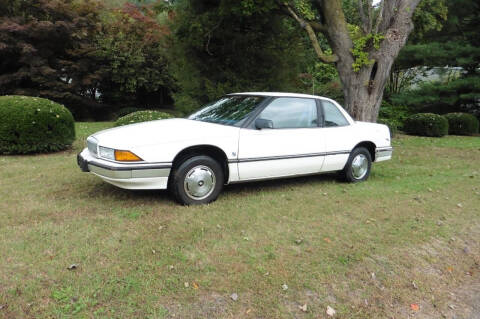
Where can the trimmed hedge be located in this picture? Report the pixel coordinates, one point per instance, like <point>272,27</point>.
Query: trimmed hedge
<point>392,125</point>
<point>127,110</point>
<point>34,125</point>
<point>462,123</point>
<point>142,116</point>
<point>426,124</point>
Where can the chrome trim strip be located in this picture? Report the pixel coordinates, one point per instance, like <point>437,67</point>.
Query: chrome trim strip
<point>383,149</point>
<point>273,158</point>
<point>130,167</point>
<point>151,173</point>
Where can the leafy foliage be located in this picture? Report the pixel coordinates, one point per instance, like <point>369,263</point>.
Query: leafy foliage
<point>142,116</point>
<point>395,114</point>
<point>362,45</point>
<point>462,123</point>
<point>127,110</point>
<point>133,54</point>
<point>457,44</point>
<point>46,50</point>
<point>228,46</point>
<point>34,125</point>
<point>426,124</point>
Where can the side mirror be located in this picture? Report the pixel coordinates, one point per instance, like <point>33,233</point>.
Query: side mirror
<point>263,123</point>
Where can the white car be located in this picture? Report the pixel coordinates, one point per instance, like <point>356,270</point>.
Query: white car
<point>241,137</point>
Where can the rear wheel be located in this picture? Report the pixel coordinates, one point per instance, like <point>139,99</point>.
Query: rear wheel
<point>198,180</point>
<point>358,165</point>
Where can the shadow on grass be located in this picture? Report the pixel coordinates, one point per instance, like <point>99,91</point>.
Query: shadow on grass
<point>278,184</point>
<point>102,190</point>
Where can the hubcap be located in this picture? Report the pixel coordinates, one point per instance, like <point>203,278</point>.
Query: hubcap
<point>199,182</point>
<point>359,166</point>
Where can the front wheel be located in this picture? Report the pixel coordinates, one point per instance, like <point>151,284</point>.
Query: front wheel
<point>358,166</point>
<point>198,180</point>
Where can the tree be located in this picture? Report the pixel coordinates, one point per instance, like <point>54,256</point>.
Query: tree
<point>228,46</point>
<point>363,54</point>
<point>46,50</point>
<point>455,49</point>
<point>132,52</point>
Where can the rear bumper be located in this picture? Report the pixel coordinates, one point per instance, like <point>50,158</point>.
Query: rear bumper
<point>128,176</point>
<point>383,153</point>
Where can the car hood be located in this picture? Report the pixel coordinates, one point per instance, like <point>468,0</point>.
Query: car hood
<point>162,131</point>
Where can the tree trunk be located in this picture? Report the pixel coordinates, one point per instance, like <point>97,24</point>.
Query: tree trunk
<point>363,90</point>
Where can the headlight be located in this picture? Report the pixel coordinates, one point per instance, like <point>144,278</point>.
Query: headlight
<point>108,153</point>
<point>117,155</point>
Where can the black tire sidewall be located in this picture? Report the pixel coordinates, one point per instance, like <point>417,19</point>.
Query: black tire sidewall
<point>180,173</point>
<point>348,174</point>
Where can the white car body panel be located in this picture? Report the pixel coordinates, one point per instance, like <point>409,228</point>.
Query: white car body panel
<point>270,144</point>
<point>251,154</point>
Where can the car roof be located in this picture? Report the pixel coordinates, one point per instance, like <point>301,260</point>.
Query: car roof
<point>279,94</point>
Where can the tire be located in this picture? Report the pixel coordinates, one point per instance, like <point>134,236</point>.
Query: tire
<point>198,180</point>
<point>358,166</point>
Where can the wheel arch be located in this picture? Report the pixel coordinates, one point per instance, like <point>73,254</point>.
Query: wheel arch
<point>210,150</point>
<point>370,146</point>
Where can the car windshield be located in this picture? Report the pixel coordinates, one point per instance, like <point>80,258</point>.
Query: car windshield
<point>229,110</point>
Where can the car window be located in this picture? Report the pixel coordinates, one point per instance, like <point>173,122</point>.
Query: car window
<point>229,110</point>
<point>333,116</point>
<point>291,113</point>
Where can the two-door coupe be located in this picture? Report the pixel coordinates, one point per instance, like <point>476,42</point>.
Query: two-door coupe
<point>241,137</point>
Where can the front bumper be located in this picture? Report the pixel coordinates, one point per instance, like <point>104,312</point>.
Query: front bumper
<point>383,153</point>
<point>128,176</point>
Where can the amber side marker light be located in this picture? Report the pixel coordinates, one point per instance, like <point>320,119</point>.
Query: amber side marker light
<point>126,156</point>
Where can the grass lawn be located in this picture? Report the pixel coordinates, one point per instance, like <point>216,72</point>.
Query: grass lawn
<point>407,242</point>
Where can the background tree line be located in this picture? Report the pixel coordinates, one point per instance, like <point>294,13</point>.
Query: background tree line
<point>99,57</point>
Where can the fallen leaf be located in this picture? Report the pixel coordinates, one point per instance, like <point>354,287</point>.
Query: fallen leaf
<point>414,285</point>
<point>330,311</point>
<point>195,285</point>
<point>450,269</point>
<point>234,297</point>
<point>414,307</point>
<point>248,311</point>
<point>327,240</point>
<point>303,308</point>
<point>459,205</point>
<point>171,267</point>
<point>72,267</point>
<point>284,287</point>
<point>186,284</point>
<point>298,241</point>
<point>3,306</point>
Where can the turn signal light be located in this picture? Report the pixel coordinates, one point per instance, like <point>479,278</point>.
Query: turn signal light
<point>126,156</point>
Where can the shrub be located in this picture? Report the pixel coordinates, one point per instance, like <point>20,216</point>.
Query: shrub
<point>34,125</point>
<point>392,125</point>
<point>396,114</point>
<point>142,116</point>
<point>426,124</point>
<point>462,123</point>
<point>127,110</point>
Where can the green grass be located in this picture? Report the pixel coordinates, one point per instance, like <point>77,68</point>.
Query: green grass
<point>135,250</point>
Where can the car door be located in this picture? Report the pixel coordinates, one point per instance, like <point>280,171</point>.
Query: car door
<point>294,145</point>
<point>339,136</point>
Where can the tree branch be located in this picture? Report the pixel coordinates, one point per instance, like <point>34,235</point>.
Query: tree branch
<point>327,58</point>
<point>379,17</point>
<point>363,17</point>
